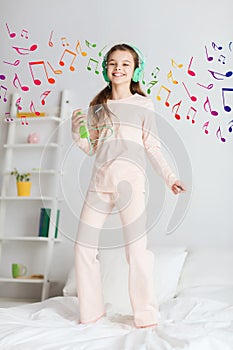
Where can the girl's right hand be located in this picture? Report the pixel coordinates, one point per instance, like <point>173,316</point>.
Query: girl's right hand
<point>77,117</point>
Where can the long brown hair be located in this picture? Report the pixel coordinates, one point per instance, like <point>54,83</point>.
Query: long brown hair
<point>99,102</point>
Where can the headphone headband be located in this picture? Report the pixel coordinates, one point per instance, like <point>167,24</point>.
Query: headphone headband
<point>138,72</point>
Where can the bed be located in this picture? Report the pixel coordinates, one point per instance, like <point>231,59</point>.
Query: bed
<point>195,294</point>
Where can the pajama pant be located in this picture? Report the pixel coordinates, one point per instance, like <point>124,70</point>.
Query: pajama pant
<point>97,207</point>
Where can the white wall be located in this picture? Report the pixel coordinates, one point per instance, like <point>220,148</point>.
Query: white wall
<point>163,30</point>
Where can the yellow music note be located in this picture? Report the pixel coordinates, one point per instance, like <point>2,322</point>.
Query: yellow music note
<point>78,48</point>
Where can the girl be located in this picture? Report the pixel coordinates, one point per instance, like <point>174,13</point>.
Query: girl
<point>119,129</point>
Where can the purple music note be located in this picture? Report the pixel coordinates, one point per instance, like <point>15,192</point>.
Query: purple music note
<point>228,74</point>
<point>2,77</point>
<point>209,58</point>
<point>224,90</point>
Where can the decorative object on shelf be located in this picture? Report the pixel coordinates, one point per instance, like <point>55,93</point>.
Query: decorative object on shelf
<point>34,137</point>
<point>18,270</point>
<point>44,222</point>
<point>23,183</point>
<point>57,223</point>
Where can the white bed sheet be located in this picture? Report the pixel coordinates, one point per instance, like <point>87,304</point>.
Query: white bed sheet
<point>189,322</point>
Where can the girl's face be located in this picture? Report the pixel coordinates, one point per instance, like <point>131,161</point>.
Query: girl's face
<point>120,67</point>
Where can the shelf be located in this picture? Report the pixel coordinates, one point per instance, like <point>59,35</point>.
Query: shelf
<point>22,198</point>
<point>11,302</point>
<point>39,119</point>
<point>21,280</point>
<point>38,172</point>
<point>30,239</point>
<point>31,145</point>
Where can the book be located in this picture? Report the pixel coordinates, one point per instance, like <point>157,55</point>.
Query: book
<point>44,222</point>
<point>57,222</point>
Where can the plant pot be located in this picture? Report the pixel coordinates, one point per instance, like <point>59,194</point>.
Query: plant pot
<point>24,188</point>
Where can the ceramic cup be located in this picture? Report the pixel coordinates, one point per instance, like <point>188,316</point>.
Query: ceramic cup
<point>18,270</point>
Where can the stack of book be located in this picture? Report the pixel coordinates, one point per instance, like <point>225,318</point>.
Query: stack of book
<point>44,222</point>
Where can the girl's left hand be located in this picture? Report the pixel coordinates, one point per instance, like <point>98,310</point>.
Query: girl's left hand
<point>178,187</point>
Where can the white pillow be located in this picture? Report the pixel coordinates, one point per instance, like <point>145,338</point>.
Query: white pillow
<point>114,270</point>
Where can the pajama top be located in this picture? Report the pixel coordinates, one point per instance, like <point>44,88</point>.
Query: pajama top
<point>122,156</point>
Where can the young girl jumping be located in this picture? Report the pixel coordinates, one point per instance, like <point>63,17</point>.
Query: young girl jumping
<point>119,129</point>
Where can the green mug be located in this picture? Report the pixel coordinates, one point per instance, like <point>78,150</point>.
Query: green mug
<point>18,270</point>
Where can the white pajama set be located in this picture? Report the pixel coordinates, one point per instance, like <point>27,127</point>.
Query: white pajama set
<point>118,180</point>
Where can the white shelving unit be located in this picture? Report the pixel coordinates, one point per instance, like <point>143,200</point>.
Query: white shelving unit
<point>45,182</point>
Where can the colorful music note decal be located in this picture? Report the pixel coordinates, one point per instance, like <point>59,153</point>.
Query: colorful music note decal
<point>167,104</point>
<point>24,51</point>
<point>78,48</point>
<point>228,74</point>
<point>150,85</point>
<point>16,63</point>
<point>230,44</point>
<point>50,39</point>
<point>88,44</point>
<point>174,64</point>
<point>5,92</point>
<point>19,107</point>
<point>2,77</point>
<point>92,60</point>
<point>44,95</point>
<point>191,72</point>
<point>38,81</point>
<point>219,135</point>
<point>176,108</point>
<point>23,87</point>
<point>192,98</point>
<point>8,118</point>
<point>101,52</point>
<point>205,126</point>
<point>230,127</point>
<point>224,90</point>
<point>210,86</point>
<point>209,58</point>
<point>222,59</point>
<point>207,102</point>
<point>11,34</point>
<point>24,120</point>
<point>62,63</point>
<point>24,33</point>
<point>55,71</point>
<point>188,116</point>
<point>33,110</point>
<point>64,41</point>
<point>216,47</point>
<point>170,76</point>
<point>155,72</point>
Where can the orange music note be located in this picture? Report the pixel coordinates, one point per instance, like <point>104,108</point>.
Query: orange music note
<point>24,34</point>
<point>91,60</point>
<point>191,109</point>
<point>169,76</point>
<point>55,71</point>
<point>11,34</point>
<point>78,48</point>
<point>33,110</point>
<point>192,98</point>
<point>191,72</point>
<point>5,91</point>
<point>177,106</point>
<point>207,102</point>
<point>23,87</point>
<point>24,120</point>
<point>174,64</point>
<point>219,135</point>
<point>168,94</point>
<point>205,126</point>
<point>38,81</point>
<point>45,94</point>
<point>18,104</point>
<point>8,118</point>
<point>62,63</point>
<point>50,39</point>
<point>64,41</point>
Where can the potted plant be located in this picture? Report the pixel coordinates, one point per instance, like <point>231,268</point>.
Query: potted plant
<point>23,183</point>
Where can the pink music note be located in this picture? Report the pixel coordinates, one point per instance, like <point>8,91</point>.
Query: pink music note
<point>44,95</point>
<point>2,77</point>
<point>50,39</point>
<point>177,106</point>
<point>215,74</point>
<point>55,71</point>
<point>174,64</point>
<point>191,109</point>
<point>38,81</point>
<point>64,41</point>
<point>224,90</point>
<point>24,51</point>
<point>18,104</point>
<point>8,118</point>
<point>191,72</point>
<point>209,58</point>
<point>167,104</point>
<point>216,47</point>
<point>205,126</point>
<point>207,102</point>
<point>170,76</point>
<point>96,63</point>
<point>11,34</point>
<point>24,120</point>
<point>33,110</point>
<point>210,86</point>
<point>192,98</point>
<point>23,87</point>
<point>219,135</point>
<point>62,63</point>
<point>230,127</point>
<point>222,59</point>
<point>16,63</point>
<point>78,48</point>
<point>24,33</point>
<point>5,92</point>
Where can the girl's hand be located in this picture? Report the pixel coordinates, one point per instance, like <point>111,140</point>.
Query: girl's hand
<point>77,117</point>
<point>178,187</point>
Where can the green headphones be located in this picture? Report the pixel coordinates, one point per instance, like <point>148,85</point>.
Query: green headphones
<point>138,72</point>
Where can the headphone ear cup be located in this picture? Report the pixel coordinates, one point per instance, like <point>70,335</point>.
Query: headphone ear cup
<point>136,75</point>
<point>104,71</point>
